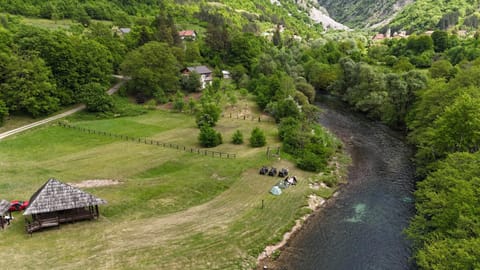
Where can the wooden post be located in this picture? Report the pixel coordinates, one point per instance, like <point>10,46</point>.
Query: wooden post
<point>262,204</point>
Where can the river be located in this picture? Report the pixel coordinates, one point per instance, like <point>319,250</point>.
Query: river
<point>362,228</point>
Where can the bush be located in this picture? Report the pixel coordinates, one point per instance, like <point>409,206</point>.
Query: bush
<point>257,139</point>
<point>179,102</point>
<point>3,111</point>
<point>208,115</point>
<point>311,162</point>
<point>209,137</point>
<point>288,125</point>
<point>95,98</point>
<point>237,137</point>
<point>151,104</point>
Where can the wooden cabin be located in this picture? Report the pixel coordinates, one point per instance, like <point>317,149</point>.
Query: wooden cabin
<point>5,214</point>
<point>56,202</point>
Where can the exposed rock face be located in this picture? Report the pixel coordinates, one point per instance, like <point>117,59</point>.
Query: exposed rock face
<point>363,13</point>
<point>320,15</point>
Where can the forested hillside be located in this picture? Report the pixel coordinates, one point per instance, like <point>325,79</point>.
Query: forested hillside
<point>424,15</point>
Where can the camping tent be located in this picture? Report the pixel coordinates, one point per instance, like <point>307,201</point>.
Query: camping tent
<point>276,190</point>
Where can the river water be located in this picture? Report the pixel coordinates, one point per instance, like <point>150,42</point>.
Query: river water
<point>363,227</point>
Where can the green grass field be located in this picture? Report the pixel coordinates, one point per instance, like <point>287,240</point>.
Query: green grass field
<point>172,210</point>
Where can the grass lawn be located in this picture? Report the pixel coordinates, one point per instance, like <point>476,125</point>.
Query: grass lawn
<point>172,210</point>
<point>48,23</point>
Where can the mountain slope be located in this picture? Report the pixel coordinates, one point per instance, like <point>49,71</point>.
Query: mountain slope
<point>409,15</point>
<point>437,14</point>
<point>360,13</point>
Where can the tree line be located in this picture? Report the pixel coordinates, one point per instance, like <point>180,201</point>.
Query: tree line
<point>427,87</point>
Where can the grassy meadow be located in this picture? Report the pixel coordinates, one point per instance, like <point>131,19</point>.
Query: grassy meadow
<point>172,210</point>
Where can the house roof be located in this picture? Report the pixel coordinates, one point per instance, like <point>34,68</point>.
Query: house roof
<point>4,206</point>
<point>125,30</point>
<point>187,33</point>
<point>200,69</point>
<point>56,196</point>
<point>379,36</point>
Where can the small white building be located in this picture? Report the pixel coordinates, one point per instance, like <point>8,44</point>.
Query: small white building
<point>226,74</point>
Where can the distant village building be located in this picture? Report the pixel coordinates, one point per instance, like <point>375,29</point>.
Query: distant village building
<point>379,36</point>
<point>400,34</point>
<point>188,35</point>
<point>56,202</point>
<point>297,38</point>
<point>226,74</point>
<point>206,77</point>
<point>122,31</point>
<point>388,34</point>
<point>125,30</point>
<point>462,33</point>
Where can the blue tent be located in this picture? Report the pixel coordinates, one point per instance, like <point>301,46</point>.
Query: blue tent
<point>276,190</point>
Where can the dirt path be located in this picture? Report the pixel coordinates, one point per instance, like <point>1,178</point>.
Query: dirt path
<point>58,116</point>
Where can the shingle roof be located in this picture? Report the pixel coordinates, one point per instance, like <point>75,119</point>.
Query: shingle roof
<point>4,206</point>
<point>200,69</point>
<point>55,196</point>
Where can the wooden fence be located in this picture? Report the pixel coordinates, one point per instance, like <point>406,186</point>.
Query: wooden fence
<point>203,152</point>
<point>248,117</point>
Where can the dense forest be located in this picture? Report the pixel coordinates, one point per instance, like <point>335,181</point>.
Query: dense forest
<point>426,86</point>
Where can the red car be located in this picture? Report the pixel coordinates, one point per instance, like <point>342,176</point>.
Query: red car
<point>16,205</point>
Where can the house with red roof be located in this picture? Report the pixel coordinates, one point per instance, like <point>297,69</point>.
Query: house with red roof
<point>188,34</point>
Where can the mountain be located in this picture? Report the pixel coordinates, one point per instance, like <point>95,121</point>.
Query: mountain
<point>409,15</point>
<point>361,13</point>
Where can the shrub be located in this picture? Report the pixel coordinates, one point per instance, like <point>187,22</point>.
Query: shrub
<point>192,106</point>
<point>209,137</point>
<point>288,125</point>
<point>237,137</point>
<point>257,138</point>
<point>151,104</point>
<point>208,115</point>
<point>179,102</point>
<point>3,111</point>
<point>311,162</point>
<point>95,98</point>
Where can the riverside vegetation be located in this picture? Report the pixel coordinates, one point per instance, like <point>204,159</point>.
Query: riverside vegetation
<point>424,85</point>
